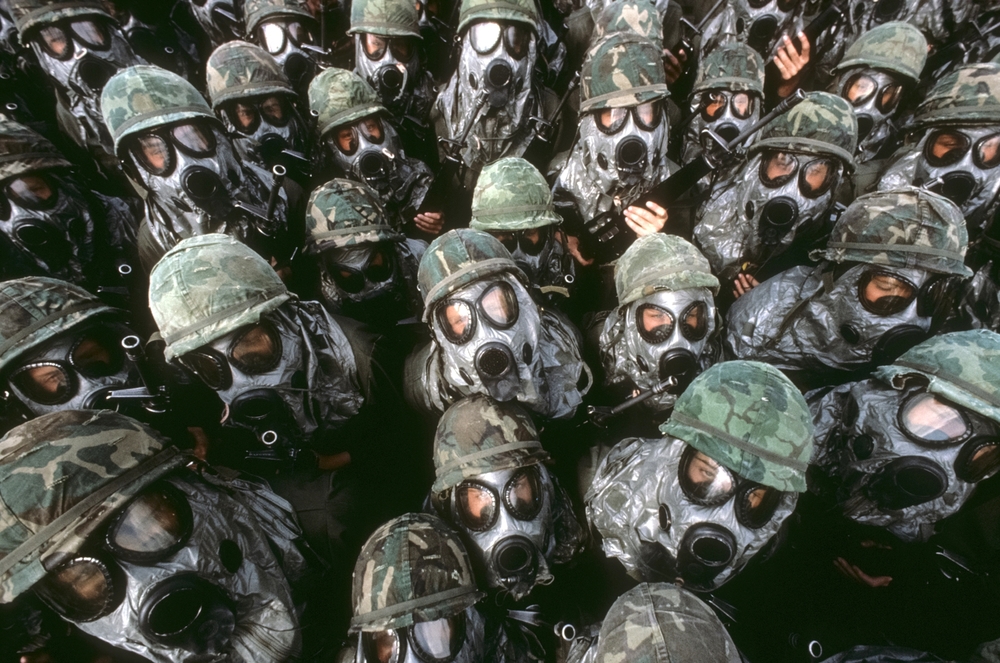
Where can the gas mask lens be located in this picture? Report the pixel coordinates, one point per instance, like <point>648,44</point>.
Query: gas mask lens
<point>523,494</point>
<point>978,459</point>
<point>478,503</point>
<point>815,177</point>
<point>655,324</point>
<point>694,321</point>
<point>708,483</point>
<point>35,191</point>
<point>48,383</point>
<point>347,137</point>
<point>57,40</point>
<point>273,35</point>
<point>498,304</point>
<point>531,241</point>
<point>378,261</point>
<point>946,147</point>
<point>96,354</point>
<point>646,116</point>
<point>153,526</point>
<point>81,590</point>
<point>884,293</point>
<point>485,36</point>
<point>375,47</point>
<point>257,349</point>
<point>437,641</point>
<point>927,419</point>
<point>210,367</point>
<point>155,149</point>
<point>246,114</point>
<point>860,88</point>
<point>713,103</point>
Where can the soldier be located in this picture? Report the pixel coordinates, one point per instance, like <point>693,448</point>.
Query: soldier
<point>288,32</point>
<point>763,26</point>
<point>219,21</point>
<point>883,281</point>
<point>699,503</point>
<point>488,335</point>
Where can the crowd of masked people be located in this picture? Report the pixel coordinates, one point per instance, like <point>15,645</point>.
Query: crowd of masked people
<point>500,331</point>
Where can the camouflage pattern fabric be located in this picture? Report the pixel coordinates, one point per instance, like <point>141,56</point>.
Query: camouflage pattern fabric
<point>732,66</point>
<point>896,47</point>
<point>345,213</point>
<point>208,286</point>
<point>963,367</point>
<point>823,124</point>
<point>621,70</point>
<point>637,16</point>
<point>970,95</point>
<point>257,11</point>
<point>477,435</point>
<point>238,69</point>
<point>520,11</point>
<point>907,228</point>
<point>61,476</point>
<point>412,569</point>
<point>35,309</point>
<point>390,18</point>
<point>661,262</point>
<point>750,418</point>
<point>28,14</point>
<point>23,151</point>
<point>511,194</point>
<point>338,96</point>
<point>145,97</point>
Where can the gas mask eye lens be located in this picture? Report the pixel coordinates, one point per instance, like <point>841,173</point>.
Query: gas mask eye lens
<point>379,267</point>
<point>532,240</point>
<point>517,38</point>
<point>742,105</point>
<point>889,99</point>
<point>703,480</point>
<point>655,324</point>
<point>713,103</point>
<point>499,305</point>
<point>194,139</point>
<point>55,42</point>
<point>859,89</point>
<point>611,120</point>
<point>47,383</point>
<point>374,46</point>
<point>945,147</point>
<point>97,355</point>
<point>381,647</point>
<point>81,590</point>
<point>298,33</point>
<point>272,36</point>
<point>484,36</point>
<point>34,192</point>
<point>883,293</point>
<point>978,459</point>
<point>455,319</point>
<point>816,177</point>
<point>209,367</point>
<point>477,506</point>
<point>244,117</point>
<point>155,154</point>
<point>523,494</point>
<point>256,350</point>
<point>777,168</point>
<point>694,321</point>
<point>274,111</point>
<point>927,419</point>
<point>371,128</point>
<point>988,151</point>
<point>91,33</point>
<point>347,140</point>
<point>647,115</point>
<point>439,640</point>
<point>401,49</point>
<point>153,526</point>
<point>349,280</point>
<point>756,505</point>
<point>509,240</point>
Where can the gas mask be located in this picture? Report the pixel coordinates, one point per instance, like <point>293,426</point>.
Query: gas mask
<point>140,23</point>
<point>184,571</point>
<point>219,20</point>
<point>867,15</point>
<point>762,22</point>
<point>960,163</point>
<point>727,112</point>
<point>389,64</point>
<point>875,96</point>
<point>456,639</point>
<point>365,280</point>
<point>901,459</point>
<point>367,151</point>
<point>292,44</point>
<point>76,370</point>
<point>541,254</point>
<point>489,334</point>
<point>507,517</point>
<point>262,128</point>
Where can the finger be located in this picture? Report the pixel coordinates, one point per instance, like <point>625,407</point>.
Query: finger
<point>873,581</point>
<point>782,67</point>
<point>635,228</point>
<point>753,281</point>
<point>806,47</point>
<point>670,59</point>
<point>657,210</point>
<point>647,219</point>
<point>682,55</point>
<point>640,222</point>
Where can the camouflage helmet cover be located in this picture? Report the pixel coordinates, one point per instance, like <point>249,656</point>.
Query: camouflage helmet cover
<point>458,258</point>
<point>256,11</point>
<point>750,418</point>
<point>412,569</point>
<point>907,228</point>
<point>344,213</point>
<point>823,124</point>
<point>969,95</point>
<point>477,435</point>
<point>238,69</point>
<point>521,11</point>
<point>896,47</point>
<point>731,66</point>
<point>30,14</point>
<point>621,70</point>
<point>23,151</point>
<point>208,286</point>
<point>637,16</point>
<point>61,476</point>
<point>963,367</point>
<point>391,18</point>
<point>35,309</point>
<point>661,262</point>
<point>145,97</point>
<point>338,96</point>
<point>511,194</point>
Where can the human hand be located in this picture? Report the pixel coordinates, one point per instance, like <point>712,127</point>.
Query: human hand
<point>853,572</point>
<point>573,246</point>
<point>790,62</point>
<point>673,65</point>
<point>743,284</point>
<point>429,222</point>
<point>646,221</point>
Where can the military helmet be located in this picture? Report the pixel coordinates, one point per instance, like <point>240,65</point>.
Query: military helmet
<point>412,569</point>
<point>458,258</point>
<point>23,151</point>
<point>344,213</point>
<point>257,11</point>
<point>237,70</point>
<point>896,47</point>
<point>145,97</point>
<point>969,95</point>
<point>61,476</point>
<point>823,124</point>
<point>521,11</point>
<point>338,96</point>
<point>30,14</point>
<point>750,418</point>
<point>731,66</point>
<point>477,435</point>
<point>511,194</point>
<point>637,16</point>
<point>623,69</point>
<point>208,286</point>
<point>391,18</point>
<point>36,309</point>
<point>661,262</point>
<point>907,228</point>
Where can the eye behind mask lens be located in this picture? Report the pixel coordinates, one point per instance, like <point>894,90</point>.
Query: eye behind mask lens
<point>484,36</point>
<point>456,320</point>
<point>155,525</point>
<point>884,293</point>
<point>978,459</point>
<point>477,505</point>
<point>47,382</point>
<point>383,647</point>
<point>714,102</point>
<point>777,168</point>
<point>859,88</point>
<point>654,324</point>
<point>694,321</point>
<point>440,640</point>
<point>210,367</point>
<point>35,191</point>
<point>647,116</point>
<point>272,37</point>
<point>499,305</point>
<point>987,153</point>
<point>243,116</point>
<point>756,504</point>
<point>194,139</point>
<point>816,177</point>
<point>703,480</point>
<point>523,494</point>
<point>98,354</point>
<point>257,349</point>
<point>932,422</point>
<point>154,154</point>
<point>83,589</point>
<point>945,147</point>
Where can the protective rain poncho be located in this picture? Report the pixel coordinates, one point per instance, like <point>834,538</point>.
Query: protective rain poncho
<point>489,336</point>
<point>287,30</point>
<point>492,485</point>
<point>698,503</point>
<point>165,562</point>
<point>872,298</point>
<point>907,447</point>
<point>784,191</point>
<point>219,20</point>
<point>665,323</point>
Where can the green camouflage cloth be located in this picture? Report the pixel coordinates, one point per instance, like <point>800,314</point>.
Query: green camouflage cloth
<point>823,124</point>
<point>732,66</point>
<point>345,213</point>
<point>412,569</point>
<point>458,258</point>
<point>23,151</point>
<point>521,11</point>
<point>963,367</point>
<point>208,286</point>
<point>338,96</point>
<point>237,70</point>
<point>750,418</point>
<point>621,70</point>
<point>145,97</point>
<point>391,18</point>
<point>895,47</point>
<point>970,95</point>
<point>637,16</point>
<point>61,476</point>
<point>661,262</point>
<point>28,14</point>
<point>908,228</point>
<point>511,194</point>
<point>257,11</point>
<point>477,435</point>
<point>36,309</point>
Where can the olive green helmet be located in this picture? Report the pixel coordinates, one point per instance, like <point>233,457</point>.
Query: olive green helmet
<point>257,11</point>
<point>520,11</point>
<point>344,213</point>
<point>661,262</point>
<point>731,66</point>
<point>237,70</point>
<point>823,124</point>
<point>390,18</point>
<point>896,47</point>
<point>32,14</point>
<point>969,95</point>
<point>338,96</point>
<point>511,194</point>
<point>637,16</point>
<point>23,151</point>
<point>623,69</point>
